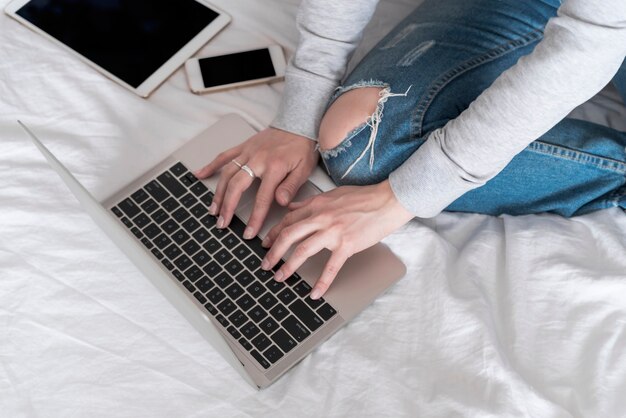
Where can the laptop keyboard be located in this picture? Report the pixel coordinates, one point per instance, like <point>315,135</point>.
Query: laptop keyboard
<point>169,215</point>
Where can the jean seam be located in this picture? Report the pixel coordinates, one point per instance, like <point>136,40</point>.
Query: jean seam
<point>437,86</point>
<point>559,151</point>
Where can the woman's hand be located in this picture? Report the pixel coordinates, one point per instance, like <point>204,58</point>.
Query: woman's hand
<point>281,159</point>
<point>345,220</point>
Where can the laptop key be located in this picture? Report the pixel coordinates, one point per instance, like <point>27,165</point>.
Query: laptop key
<point>302,288</point>
<point>200,297</point>
<point>261,342</point>
<point>326,311</point>
<point>293,279</point>
<point>268,300</point>
<point>209,307</point>
<point>168,265</point>
<point>268,325</point>
<point>233,331</point>
<point>189,286</point>
<point>129,208</point>
<point>244,278</point>
<point>283,340</point>
<point>233,267</point>
<point>237,226</point>
<point>222,320</point>
<point>209,221</point>
<point>256,289</point>
<point>193,273</point>
<point>295,328</point>
<point>149,206</point>
<point>162,241</point>
<point>216,295</point>
<point>190,178</point>
<point>117,211</point>
<point>191,225</point>
<point>159,216</point>
<point>260,359</point>
<point>287,296</point>
<point>212,245</point>
<point>226,307</point>
<point>178,169</point>
<point>127,222</point>
<point>255,245</point>
<point>151,231</point>
<point>183,262</point>
<point>279,312</point>
<point>178,275</point>
<point>219,233</point>
<point>264,275</point>
<point>306,315</point>
<point>168,180</point>
<point>245,302</point>
<point>249,330</point>
<point>212,269</point>
<point>169,226</point>
<point>204,284</point>
<point>257,314</point>
<point>253,262</point>
<point>245,344</point>
<point>180,215</point>
<point>273,354</point>
<point>188,200</point>
<point>234,291</point>
<point>147,243</point>
<point>201,235</point>
<point>180,236</point>
<point>199,210</point>
<point>275,286</point>
<point>314,303</point>
<point>223,280</point>
<point>207,199</point>
<point>139,196</point>
<point>190,247</point>
<point>157,191</point>
<point>172,252</point>
<point>136,232</point>
<point>230,241</point>
<point>238,318</point>
<point>202,258</point>
<point>141,220</point>
<point>223,256</point>
<point>170,204</point>
<point>199,189</point>
<point>241,252</point>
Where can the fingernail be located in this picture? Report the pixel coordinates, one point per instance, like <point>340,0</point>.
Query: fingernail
<point>248,233</point>
<point>265,243</point>
<point>279,276</point>
<point>220,222</point>
<point>284,196</point>
<point>265,264</point>
<point>212,209</point>
<point>316,293</point>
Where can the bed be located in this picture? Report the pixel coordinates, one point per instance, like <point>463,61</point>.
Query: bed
<point>497,316</point>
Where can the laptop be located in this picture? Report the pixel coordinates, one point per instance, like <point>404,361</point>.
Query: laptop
<point>212,276</point>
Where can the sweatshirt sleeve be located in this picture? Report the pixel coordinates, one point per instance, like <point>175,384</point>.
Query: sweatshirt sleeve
<point>582,49</point>
<point>330,31</point>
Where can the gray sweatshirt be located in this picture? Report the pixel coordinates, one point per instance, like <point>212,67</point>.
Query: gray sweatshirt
<point>580,52</point>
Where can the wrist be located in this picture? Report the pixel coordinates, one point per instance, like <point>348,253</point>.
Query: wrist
<point>392,203</point>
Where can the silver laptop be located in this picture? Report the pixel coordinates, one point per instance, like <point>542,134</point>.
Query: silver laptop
<point>213,277</point>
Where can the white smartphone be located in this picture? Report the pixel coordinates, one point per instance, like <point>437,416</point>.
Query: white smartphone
<point>237,69</point>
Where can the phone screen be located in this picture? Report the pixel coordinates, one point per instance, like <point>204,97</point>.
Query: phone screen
<point>234,68</point>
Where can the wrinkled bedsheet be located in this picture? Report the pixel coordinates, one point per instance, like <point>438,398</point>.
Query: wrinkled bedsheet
<point>507,316</point>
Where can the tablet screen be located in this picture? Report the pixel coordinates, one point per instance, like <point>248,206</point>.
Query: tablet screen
<point>129,38</point>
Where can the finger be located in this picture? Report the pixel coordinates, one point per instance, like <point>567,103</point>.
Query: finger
<point>263,202</point>
<point>219,161</point>
<point>332,267</point>
<point>286,238</point>
<point>298,205</point>
<point>235,188</point>
<point>290,186</point>
<point>222,184</point>
<point>289,219</point>
<point>306,249</point>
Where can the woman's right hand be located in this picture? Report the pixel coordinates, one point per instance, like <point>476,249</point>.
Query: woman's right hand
<point>282,160</point>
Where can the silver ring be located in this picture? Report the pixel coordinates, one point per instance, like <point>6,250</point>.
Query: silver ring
<point>248,170</point>
<point>236,163</point>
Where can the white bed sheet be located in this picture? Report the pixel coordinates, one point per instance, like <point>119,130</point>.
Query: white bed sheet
<point>507,316</point>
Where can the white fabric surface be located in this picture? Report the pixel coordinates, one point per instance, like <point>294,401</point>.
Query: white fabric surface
<point>508,316</point>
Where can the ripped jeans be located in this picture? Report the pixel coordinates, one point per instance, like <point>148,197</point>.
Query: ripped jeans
<point>432,66</point>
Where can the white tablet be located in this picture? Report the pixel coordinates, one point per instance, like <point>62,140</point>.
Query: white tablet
<point>137,43</point>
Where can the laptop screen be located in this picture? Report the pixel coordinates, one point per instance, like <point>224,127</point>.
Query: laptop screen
<point>129,38</point>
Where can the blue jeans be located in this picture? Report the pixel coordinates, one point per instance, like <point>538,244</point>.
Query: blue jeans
<point>448,52</point>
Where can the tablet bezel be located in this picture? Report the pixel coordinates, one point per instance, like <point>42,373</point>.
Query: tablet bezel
<point>163,72</point>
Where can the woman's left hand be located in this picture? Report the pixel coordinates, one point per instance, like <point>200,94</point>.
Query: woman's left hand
<point>345,220</point>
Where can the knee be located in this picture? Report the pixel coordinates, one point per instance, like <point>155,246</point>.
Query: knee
<point>349,111</point>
